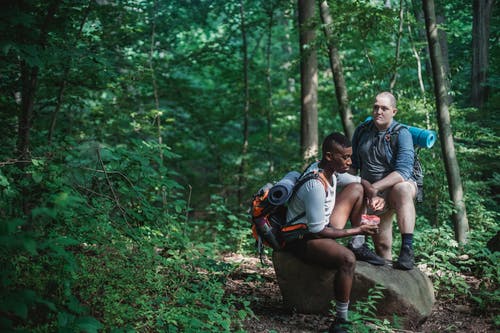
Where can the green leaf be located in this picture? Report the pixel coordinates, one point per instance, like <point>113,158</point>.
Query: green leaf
<point>30,245</point>
<point>3,180</point>
<point>37,177</point>
<point>64,319</point>
<point>88,324</point>
<point>37,162</point>
<point>18,302</point>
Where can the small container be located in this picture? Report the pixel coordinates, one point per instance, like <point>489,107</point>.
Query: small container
<point>370,219</point>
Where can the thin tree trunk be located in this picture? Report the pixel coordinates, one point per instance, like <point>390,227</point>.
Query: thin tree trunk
<point>153,78</point>
<point>29,81</point>
<point>480,44</point>
<point>162,192</point>
<point>398,46</point>
<point>443,42</point>
<point>419,74</point>
<point>418,60</point>
<point>446,137</point>
<point>287,49</point>
<point>308,80</point>
<point>64,82</point>
<point>60,95</point>
<point>246,108</point>
<point>338,75</point>
<point>269,113</point>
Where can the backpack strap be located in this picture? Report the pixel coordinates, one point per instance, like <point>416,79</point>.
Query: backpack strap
<point>319,175</point>
<point>392,136</point>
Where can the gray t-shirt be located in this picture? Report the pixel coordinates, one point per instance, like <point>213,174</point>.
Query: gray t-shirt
<point>375,164</point>
<point>317,203</point>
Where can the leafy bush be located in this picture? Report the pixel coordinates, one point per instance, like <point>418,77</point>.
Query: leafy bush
<point>105,246</point>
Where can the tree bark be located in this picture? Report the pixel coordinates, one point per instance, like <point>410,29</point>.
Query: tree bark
<point>153,75</point>
<point>64,81</point>
<point>246,108</point>
<point>480,44</point>
<point>446,137</point>
<point>308,80</point>
<point>398,46</point>
<point>29,81</point>
<point>338,75</point>
<point>269,113</point>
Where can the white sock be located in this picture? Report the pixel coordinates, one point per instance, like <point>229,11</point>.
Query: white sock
<point>357,241</point>
<point>341,309</point>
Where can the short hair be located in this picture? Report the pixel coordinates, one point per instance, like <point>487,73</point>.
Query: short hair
<point>392,99</point>
<point>333,139</point>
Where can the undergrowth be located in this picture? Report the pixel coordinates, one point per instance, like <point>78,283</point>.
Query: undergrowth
<point>105,245</point>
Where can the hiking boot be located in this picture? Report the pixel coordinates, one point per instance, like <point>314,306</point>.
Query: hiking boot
<point>339,326</point>
<point>406,259</point>
<point>364,253</point>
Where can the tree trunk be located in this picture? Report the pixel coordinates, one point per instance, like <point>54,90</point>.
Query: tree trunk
<point>419,72</point>
<point>153,78</point>
<point>446,137</point>
<point>269,113</point>
<point>29,80</point>
<point>308,80</point>
<point>398,46</point>
<point>480,44</point>
<point>64,82</point>
<point>246,107</point>
<point>338,75</point>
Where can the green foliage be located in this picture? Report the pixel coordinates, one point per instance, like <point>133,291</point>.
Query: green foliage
<point>106,239</point>
<point>455,268</point>
<point>363,316</point>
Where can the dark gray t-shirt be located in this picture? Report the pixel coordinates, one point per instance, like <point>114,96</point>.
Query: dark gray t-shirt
<point>375,165</point>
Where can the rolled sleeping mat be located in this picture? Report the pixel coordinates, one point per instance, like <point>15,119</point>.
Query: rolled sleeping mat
<point>282,190</point>
<point>423,138</point>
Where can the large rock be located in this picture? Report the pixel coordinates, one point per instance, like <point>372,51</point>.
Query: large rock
<point>308,288</point>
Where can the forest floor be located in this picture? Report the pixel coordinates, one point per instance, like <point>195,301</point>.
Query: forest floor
<point>257,283</point>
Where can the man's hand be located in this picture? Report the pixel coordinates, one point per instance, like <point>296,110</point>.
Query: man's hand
<point>370,190</point>
<point>376,203</point>
<point>369,229</point>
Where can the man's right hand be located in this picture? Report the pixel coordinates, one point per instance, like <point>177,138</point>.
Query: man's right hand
<point>376,203</point>
<point>369,229</point>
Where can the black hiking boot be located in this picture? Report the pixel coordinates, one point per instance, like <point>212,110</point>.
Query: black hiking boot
<point>339,326</point>
<point>364,253</point>
<point>406,259</point>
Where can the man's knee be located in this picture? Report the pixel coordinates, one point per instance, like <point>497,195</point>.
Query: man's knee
<point>401,192</point>
<point>356,189</point>
<point>348,260</point>
<point>353,190</point>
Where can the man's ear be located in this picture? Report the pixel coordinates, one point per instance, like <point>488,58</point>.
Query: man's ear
<point>329,156</point>
<point>394,111</point>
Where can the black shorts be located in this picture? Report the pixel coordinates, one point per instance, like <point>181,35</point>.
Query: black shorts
<point>299,247</point>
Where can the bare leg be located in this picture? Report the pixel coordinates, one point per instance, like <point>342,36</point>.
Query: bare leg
<point>401,198</point>
<point>383,239</point>
<point>328,253</point>
<point>348,205</point>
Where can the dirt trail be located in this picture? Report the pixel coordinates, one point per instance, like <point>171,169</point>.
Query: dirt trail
<point>258,284</point>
